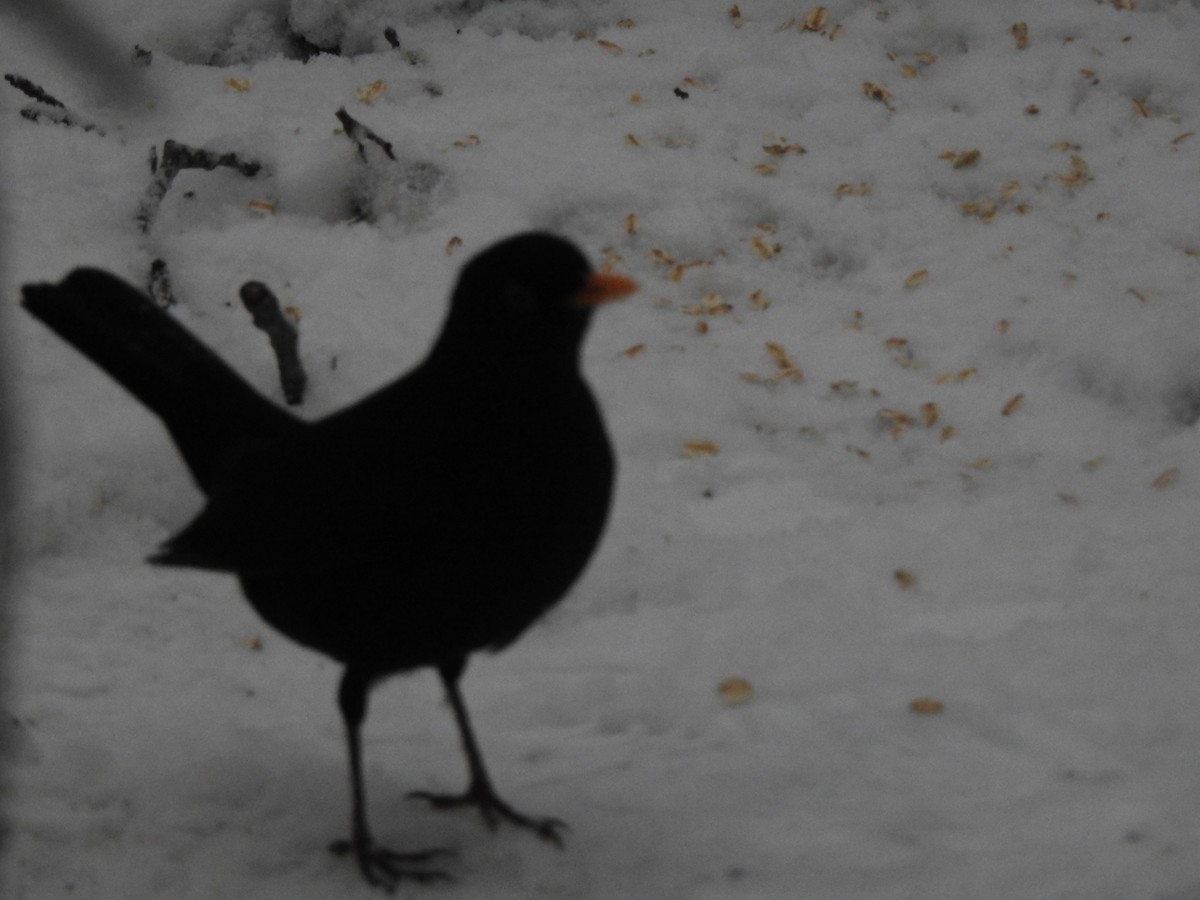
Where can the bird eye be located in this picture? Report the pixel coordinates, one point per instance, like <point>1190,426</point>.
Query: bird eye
<point>517,299</point>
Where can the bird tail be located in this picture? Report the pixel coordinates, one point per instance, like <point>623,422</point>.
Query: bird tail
<point>206,406</point>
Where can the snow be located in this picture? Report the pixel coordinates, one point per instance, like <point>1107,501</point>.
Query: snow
<point>1034,571</point>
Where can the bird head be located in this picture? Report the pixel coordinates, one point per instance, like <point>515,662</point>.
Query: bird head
<point>532,293</point>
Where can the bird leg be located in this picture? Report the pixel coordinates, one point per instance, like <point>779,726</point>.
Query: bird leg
<point>380,866</point>
<point>479,792</point>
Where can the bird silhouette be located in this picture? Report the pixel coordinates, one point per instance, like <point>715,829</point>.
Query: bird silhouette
<point>437,517</point>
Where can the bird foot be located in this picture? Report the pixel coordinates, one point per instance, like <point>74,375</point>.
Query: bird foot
<point>384,868</point>
<point>493,809</point>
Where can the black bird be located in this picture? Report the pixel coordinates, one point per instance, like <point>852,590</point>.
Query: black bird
<point>437,517</point>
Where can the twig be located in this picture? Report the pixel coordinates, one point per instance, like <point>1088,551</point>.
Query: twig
<point>359,133</point>
<point>174,159</point>
<point>285,339</point>
<point>29,89</point>
<point>159,285</point>
<point>48,106</point>
<point>59,117</point>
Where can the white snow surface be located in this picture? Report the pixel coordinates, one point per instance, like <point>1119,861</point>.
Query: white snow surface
<point>1030,563</point>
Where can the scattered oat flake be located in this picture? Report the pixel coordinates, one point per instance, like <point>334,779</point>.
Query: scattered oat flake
<point>766,168</point>
<point>661,257</point>
<point>676,272</point>
<point>857,451</point>
<point>947,433</point>
<point>1183,137</point>
<point>734,691</point>
<point>843,387</point>
<point>1032,109</point>
<point>635,99</point>
<point>735,16</point>
<point>1020,33</point>
<point>784,26</point>
<point>917,278</point>
<point>241,85</point>
<point>610,260</point>
<point>815,19</point>
<point>930,414</point>
<point>961,159</point>
<point>925,58</point>
<point>905,578</point>
<point>625,23</point>
<point>453,244</point>
<point>763,249</point>
<point>785,368</point>
<point>846,189</point>
<point>835,32</point>
<point>253,642</point>
<point>1124,4</point>
<point>710,305</point>
<point>633,140</point>
<point>471,140</point>
<point>1002,326</point>
<point>635,350</point>
<point>631,223</point>
<point>610,47</point>
<point>759,300</point>
<point>371,92</point>
<point>1013,404</point>
<point>907,71</point>
<point>980,463</point>
<point>1078,175</point>
<point>647,52</point>
<point>293,313</point>
<point>878,93</point>
<point>693,449</point>
<point>895,343</point>
<point>1136,293</point>
<point>926,706</point>
<point>899,422</point>
<point>1068,498</point>
<point>783,149</point>
<point>1166,478</point>
<point>263,206</point>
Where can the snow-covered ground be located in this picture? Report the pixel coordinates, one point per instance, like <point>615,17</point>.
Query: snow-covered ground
<point>962,468</point>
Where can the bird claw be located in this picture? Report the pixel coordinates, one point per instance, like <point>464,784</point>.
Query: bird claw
<point>493,809</point>
<point>384,868</point>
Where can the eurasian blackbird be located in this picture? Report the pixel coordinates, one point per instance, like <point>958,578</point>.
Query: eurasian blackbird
<point>438,516</point>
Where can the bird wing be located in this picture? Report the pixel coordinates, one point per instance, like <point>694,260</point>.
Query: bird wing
<point>368,483</point>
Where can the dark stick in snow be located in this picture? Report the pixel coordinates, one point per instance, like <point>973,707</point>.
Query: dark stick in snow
<point>159,285</point>
<point>48,106</point>
<point>267,315</point>
<point>359,133</point>
<point>174,159</point>
<point>29,89</point>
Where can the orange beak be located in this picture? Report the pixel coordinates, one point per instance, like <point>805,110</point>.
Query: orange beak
<point>604,287</point>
